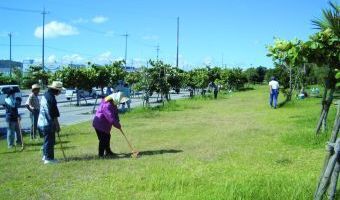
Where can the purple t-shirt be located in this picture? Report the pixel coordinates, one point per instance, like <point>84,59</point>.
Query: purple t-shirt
<point>106,117</point>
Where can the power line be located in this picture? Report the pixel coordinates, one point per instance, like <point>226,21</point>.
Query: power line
<point>68,51</point>
<point>19,10</point>
<point>22,45</point>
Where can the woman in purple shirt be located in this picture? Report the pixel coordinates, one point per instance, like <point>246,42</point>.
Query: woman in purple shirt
<point>106,117</point>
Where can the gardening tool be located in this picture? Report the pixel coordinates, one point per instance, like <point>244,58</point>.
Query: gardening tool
<point>20,132</point>
<point>134,152</point>
<point>61,146</point>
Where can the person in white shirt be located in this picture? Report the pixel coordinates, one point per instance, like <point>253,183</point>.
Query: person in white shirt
<point>274,92</point>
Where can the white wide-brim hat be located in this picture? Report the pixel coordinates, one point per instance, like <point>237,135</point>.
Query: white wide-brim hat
<point>57,85</point>
<point>117,98</point>
<point>35,86</point>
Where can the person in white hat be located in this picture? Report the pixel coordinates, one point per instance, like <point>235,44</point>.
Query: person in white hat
<point>48,122</point>
<point>33,105</point>
<point>106,117</point>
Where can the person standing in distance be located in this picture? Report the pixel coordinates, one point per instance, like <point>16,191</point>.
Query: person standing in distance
<point>48,122</point>
<point>12,104</point>
<point>274,92</point>
<point>33,105</point>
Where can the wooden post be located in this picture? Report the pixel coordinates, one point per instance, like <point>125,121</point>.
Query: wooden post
<point>325,180</point>
<point>332,140</point>
<point>334,180</point>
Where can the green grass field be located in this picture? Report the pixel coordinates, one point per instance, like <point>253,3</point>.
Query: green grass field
<point>235,147</point>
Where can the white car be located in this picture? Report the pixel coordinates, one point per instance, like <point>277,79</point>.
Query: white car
<point>72,94</point>
<point>4,90</point>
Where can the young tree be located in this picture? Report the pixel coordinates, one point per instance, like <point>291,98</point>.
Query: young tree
<point>35,74</point>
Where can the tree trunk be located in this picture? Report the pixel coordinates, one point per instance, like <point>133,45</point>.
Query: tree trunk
<point>326,104</point>
<point>333,138</point>
<point>334,181</point>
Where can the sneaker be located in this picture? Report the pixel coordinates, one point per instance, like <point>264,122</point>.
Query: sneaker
<point>50,161</point>
<point>43,158</point>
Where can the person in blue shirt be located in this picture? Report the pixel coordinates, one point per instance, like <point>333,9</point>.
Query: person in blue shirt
<point>12,118</point>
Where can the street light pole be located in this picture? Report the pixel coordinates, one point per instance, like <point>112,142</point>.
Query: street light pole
<point>10,54</point>
<point>43,39</point>
<point>177,42</point>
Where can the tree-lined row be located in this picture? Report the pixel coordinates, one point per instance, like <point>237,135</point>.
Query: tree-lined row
<point>321,53</point>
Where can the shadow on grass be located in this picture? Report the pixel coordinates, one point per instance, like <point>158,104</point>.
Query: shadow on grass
<point>124,155</point>
<point>283,103</point>
<point>11,151</point>
<point>39,144</point>
<point>246,89</point>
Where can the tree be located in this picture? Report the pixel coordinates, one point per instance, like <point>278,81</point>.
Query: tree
<point>289,55</point>
<point>35,74</point>
<point>116,72</point>
<point>101,77</point>
<point>252,75</point>
<point>176,78</point>
<point>7,80</point>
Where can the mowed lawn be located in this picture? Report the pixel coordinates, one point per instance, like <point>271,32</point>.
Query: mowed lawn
<point>235,147</point>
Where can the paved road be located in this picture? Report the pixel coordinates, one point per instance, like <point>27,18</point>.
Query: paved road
<point>71,114</point>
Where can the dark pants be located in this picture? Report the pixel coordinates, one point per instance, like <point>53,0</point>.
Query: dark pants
<point>215,94</point>
<point>273,98</point>
<point>13,132</point>
<point>34,122</point>
<point>104,142</point>
<point>49,142</point>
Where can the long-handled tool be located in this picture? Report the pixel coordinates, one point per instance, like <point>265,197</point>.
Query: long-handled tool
<point>20,132</point>
<point>134,152</point>
<point>61,146</point>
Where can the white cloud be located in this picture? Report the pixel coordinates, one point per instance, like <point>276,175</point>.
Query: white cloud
<point>99,19</point>
<point>51,59</point>
<point>56,29</point>
<point>105,57</point>
<point>80,20</point>
<point>208,60</point>
<point>73,58</point>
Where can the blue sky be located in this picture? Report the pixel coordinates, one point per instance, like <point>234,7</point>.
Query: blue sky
<point>78,31</point>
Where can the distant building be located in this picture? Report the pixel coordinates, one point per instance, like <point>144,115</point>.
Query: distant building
<point>7,65</point>
<point>131,69</point>
<point>76,65</point>
<point>26,64</point>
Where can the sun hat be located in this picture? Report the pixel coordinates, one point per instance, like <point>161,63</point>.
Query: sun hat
<point>117,98</point>
<point>35,86</point>
<point>57,85</point>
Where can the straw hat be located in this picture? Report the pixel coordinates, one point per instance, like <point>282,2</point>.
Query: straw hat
<point>117,98</point>
<point>57,85</point>
<point>35,86</point>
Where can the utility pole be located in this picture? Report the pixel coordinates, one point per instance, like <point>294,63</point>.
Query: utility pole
<point>126,35</point>
<point>157,49</point>
<point>177,41</point>
<point>43,39</point>
<point>10,54</point>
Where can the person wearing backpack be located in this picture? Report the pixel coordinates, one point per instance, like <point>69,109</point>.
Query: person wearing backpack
<point>12,104</point>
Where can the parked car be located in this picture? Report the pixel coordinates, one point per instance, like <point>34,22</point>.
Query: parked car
<point>4,89</point>
<point>72,93</point>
